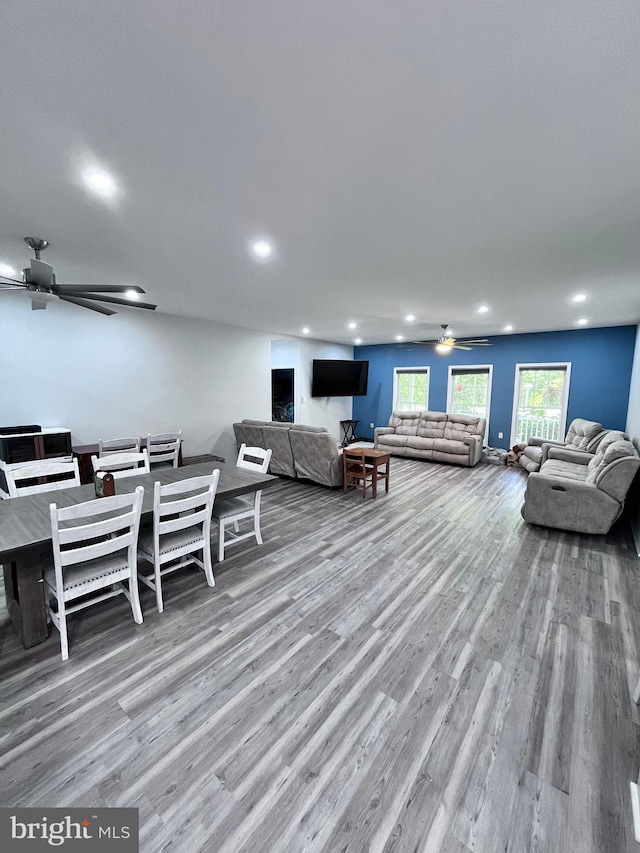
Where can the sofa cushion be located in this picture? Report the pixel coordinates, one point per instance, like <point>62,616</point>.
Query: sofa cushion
<point>432,424</point>
<point>305,428</point>
<point>277,440</point>
<point>450,445</point>
<point>581,432</point>
<point>405,423</point>
<point>568,470</point>
<point>611,448</point>
<point>393,440</point>
<point>420,442</point>
<point>459,425</point>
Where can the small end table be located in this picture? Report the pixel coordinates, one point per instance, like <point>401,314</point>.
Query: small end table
<point>348,432</point>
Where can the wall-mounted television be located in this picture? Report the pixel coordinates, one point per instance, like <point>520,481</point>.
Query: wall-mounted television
<point>337,378</point>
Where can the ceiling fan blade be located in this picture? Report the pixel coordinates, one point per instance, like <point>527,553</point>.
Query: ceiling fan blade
<point>81,294</point>
<point>7,280</point>
<point>107,311</point>
<point>458,346</point>
<point>476,341</point>
<point>98,288</point>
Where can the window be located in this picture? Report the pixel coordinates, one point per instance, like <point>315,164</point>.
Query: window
<point>469,391</point>
<point>540,401</point>
<point>410,389</point>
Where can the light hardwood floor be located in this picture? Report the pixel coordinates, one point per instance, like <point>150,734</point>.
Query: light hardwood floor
<point>422,672</point>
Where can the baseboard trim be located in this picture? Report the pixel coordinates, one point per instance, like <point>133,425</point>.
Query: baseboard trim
<point>635,809</point>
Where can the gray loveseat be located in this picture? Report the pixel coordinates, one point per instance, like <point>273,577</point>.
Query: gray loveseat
<point>437,436</point>
<point>580,491</point>
<point>306,452</point>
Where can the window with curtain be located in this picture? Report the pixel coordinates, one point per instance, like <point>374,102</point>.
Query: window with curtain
<point>410,389</point>
<point>540,401</point>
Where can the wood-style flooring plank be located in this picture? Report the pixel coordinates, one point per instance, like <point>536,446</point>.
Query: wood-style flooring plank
<point>422,672</point>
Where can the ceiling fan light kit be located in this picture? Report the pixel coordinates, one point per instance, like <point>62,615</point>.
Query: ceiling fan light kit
<point>40,283</point>
<point>445,343</point>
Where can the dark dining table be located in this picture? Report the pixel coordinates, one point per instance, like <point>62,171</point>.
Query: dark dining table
<point>25,533</point>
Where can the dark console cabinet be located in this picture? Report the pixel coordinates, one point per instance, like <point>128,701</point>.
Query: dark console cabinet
<point>24,444</point>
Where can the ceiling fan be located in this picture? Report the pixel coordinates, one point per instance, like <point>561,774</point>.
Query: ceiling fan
<point>445,343</point>
<point>40,283</point>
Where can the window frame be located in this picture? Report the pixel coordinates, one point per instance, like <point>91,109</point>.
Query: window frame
<point>472,368</point>
<point>412,369</point>
<point>541,365</point>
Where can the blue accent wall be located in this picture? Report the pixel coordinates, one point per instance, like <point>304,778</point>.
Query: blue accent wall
<point>601,362</point>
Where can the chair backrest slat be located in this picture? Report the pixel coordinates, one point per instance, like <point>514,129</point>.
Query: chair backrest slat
<point>195,508</point>
<point>127,522</point>
<point>253,458</point>
<point>118,445</point>
<point>94,530</point>
<point>122,464</point>
<point>15,476</point>
<point>164,447</point>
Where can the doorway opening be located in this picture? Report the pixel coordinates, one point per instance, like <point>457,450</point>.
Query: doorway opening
<point>282,401</point>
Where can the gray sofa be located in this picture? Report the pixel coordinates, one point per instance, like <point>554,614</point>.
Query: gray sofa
<point>437,436</point>
<point>579,491</point>
<point>305,452</point>
<point>581,435</point>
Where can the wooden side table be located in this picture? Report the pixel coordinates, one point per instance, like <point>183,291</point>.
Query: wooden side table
<point>364,466</point>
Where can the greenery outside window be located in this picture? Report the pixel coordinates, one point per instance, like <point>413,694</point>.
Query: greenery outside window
<point>540,401</point>
<point>410,389</point>
<point>469,391</point>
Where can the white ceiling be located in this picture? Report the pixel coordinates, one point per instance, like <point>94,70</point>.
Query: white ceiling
<point>405,157</point>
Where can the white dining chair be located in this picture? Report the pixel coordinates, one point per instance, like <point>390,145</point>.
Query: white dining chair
<point>118,445</point>
<point>164,447</point>
<point>230,512</point>
<point>122,464</point>
<point>94,548</point>
<point>181,529</point>
<point>20,477</point>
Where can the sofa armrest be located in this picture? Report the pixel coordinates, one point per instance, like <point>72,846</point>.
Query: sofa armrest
<point>382,431</point>
<point>537,441</point>
<point>565,454</point>
<point>474,442</point>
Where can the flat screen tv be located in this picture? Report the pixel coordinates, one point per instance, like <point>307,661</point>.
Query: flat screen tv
<point>336,378</point>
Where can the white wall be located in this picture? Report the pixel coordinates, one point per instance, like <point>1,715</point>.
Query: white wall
<point>299,353</point>
<point>139,372</point>
<point>129,374</point>
<point>633,428</point>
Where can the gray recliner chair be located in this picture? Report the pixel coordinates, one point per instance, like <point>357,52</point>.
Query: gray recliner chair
<point>581,435</point>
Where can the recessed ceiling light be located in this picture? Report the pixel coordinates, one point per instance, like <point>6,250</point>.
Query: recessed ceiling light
<point>582,321</point>
<point>352,325</point>
<point>399,337</point>
<point>358,341</point>
<point>132,294</point>
<point>508,328</point>
<point>410,318</point>
<point>100,182</point>
<point>306,330</point>
<point>482,309</point>
<point>579,297</point>
<point>262,249</point>
<point>7,271</point>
